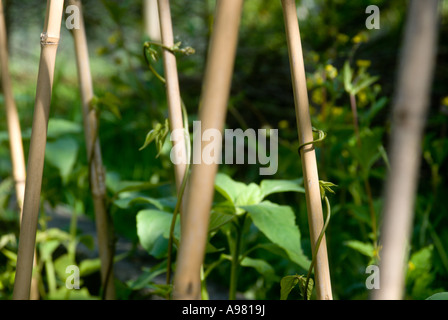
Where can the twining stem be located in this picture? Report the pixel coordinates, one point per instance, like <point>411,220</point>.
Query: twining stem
<point>316,248</point>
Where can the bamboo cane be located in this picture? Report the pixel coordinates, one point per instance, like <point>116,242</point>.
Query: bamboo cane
<point>97,175</point>
<point>15,134</point>
<point>308,156</point>
<point>151,17</point>
<point>409,117</point>
<point>217,82</point>
<point>27,240</point>
<point>172,90</point>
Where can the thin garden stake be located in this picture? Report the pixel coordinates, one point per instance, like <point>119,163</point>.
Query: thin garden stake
<point>151,18</point>
<point>212,113</point>
<point>308,156</point>
<point>15,134</point>
<point>173,91</point>
<point>408,122</point>
<point>96,170</point>
<point>178,135</point>
<point>49,44</point>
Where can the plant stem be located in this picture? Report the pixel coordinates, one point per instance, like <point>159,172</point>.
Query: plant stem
<point>316,248</point>
<point>355,117</point>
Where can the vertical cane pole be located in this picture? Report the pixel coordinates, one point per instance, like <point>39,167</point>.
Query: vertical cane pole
<point>308,156</point>
<point>172,90</point>
<point>217,82</point>
<point>412,99</point>
<point>97,174</point>
<point>15,134</point>
<point>27,240</point>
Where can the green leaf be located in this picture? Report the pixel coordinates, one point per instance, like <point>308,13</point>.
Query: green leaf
<point>364,83</point>
<point>363,248</point>
<point>369,152</point>
<point>89,266</point>
<point>302,284</point>
<point>289,282</point>
<point>286,285</point>
<point>326,186</point>
<point>62,154</point>
<point>250,195</point>
<point>147,276</point>
<point>276,186</point>
<point>260,265</point>
<point>439,296</point>
<point>159,134</point>
<point>47,249</point>
<point>61,264</point>
<point>348,75</point>
<point>220,215</point>
<point>278,224</point>
<point>126,202</point>
<point>59,127</point>
<point>153,230</point>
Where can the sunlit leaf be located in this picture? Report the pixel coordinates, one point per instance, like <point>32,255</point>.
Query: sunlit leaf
<point>279,226</point>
